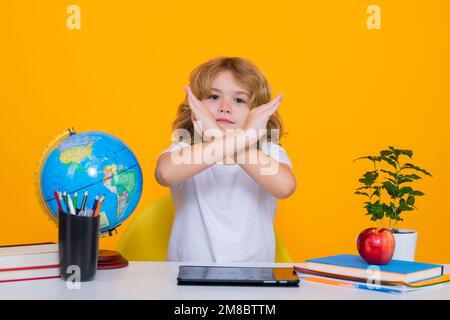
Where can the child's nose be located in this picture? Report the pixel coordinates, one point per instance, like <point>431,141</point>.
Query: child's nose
<point>225,107</point>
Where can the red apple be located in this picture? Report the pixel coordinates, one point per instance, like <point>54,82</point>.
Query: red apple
<point>376,246</point>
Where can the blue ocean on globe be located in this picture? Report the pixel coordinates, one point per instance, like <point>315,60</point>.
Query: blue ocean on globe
<point>99,163</point>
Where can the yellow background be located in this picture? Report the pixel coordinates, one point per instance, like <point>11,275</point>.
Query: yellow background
<point>349,92</point>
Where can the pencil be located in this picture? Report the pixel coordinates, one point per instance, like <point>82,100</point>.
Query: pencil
<point>65,199</point>
<point>99,204</point>
<point>70,205</point>
<point>57,201</point>
<point>61,200</point>
<point>83,204</point>
<point>75,199</point>
<point>352,285</point>
<point>95,203</point>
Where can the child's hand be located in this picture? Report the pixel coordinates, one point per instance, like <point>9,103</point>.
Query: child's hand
<point>258,117</point>
<point>204,122</point>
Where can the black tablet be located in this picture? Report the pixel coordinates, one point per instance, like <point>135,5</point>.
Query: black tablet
<point>240,276</point>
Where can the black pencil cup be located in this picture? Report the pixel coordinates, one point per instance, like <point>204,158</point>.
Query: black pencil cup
<point>78,246</point>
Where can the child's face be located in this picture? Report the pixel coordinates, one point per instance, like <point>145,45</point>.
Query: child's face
<point>228,101</point>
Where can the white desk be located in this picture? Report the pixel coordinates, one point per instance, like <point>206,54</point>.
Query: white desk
<point>157,280</point>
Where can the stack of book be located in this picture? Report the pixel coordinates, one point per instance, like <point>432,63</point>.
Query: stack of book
<point>29,262</point>
<point>347,270</point>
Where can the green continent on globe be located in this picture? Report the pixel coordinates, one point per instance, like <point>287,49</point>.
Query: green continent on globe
<point>72,152</point>
<point>122,184</point>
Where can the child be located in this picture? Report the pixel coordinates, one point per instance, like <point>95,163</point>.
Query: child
<point>225,203</point>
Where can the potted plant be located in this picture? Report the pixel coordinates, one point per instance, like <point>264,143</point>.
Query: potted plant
<point>389,195</point>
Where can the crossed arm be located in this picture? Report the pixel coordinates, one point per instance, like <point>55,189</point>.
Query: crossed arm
<point>280,182</point>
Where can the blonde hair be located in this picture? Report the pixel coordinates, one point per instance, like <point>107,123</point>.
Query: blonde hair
<point>245,72</point>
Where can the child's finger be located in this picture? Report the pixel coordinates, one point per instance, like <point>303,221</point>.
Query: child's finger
<point>270,109</point>
<point>274,104</point>
<point>191,94</point>
<point>192,104</point>
<point>276,100</point>
<point>271,104</point>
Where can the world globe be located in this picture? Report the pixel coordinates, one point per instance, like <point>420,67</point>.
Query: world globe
<point>98,163</point>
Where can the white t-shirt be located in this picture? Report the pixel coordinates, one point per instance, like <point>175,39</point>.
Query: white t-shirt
<point>223,215</point>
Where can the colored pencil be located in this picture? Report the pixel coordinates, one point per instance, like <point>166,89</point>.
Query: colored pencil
<point>95,203</point>
<point>57,201</point>
<point>75,200</point>
<point>83,204</point>
<point>352,285</point>
<point>97,209</point>
<point>61,200</point>
<point>65,199</point>
<point>70,205</point>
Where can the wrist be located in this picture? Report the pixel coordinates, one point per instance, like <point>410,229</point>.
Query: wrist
<point>250,136</point>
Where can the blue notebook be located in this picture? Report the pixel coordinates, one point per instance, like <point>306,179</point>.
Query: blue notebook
<point>396,270</point>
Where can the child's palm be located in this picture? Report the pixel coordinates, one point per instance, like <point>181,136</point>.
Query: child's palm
<point>204,122</point>
<point>259,116</point>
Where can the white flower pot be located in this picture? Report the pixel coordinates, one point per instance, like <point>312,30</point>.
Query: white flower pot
<point>405,244</point>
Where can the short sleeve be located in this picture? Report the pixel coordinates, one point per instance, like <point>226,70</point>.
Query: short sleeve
<point>175,146</point>
<point>276,152</point>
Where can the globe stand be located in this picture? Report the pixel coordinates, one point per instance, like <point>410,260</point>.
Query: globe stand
<point>110,259</point>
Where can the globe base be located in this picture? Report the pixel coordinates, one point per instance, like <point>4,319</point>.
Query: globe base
<point>109,259</point>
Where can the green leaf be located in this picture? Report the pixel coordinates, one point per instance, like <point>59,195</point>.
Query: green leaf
<point>408,153</point>
<point>392,180</point>
<point>390,161</point>
<point>406,208</point>
<point>398,152</point>
<point>403,207</point>
<point>393,149</point>
<point>389,212</point>
<point>412,176</point>
<point>402,178</point>
<point>404,190</point>
<point>385,153</point>
<point>363,187</point>
<point>395,152</point>
<point>362,193</point>
<point>369,178</point>
<point>411,166</point>
<point>375,208</point>
<point>418,193</point>
<point>390,188</point>
<point>392,174</point>
<point>371,158</point>
<point>411,200</point>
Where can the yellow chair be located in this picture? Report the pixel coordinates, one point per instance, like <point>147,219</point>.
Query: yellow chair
<point>147,236</point>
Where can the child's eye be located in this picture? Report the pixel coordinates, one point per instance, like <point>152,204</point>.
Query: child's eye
<point>239,100</point>
<point>213,97</point>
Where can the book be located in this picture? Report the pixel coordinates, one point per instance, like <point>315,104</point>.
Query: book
<point>354,267</point>
<point>30,274</point>
<point>395,288</point>
<point>29,262</point>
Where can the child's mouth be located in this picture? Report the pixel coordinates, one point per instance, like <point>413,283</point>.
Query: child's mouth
<point>225,121</point>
